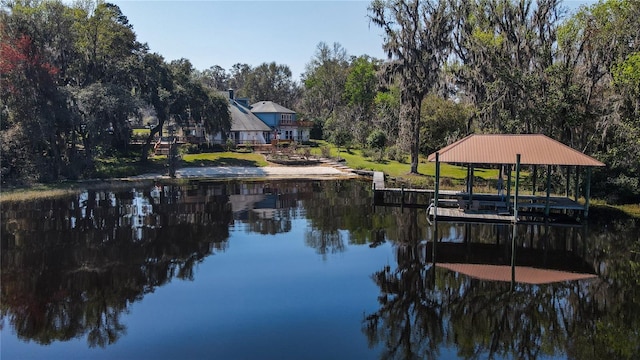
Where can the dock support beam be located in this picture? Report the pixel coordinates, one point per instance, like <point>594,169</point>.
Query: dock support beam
<point>471,186</point>
<point>567,186</point>
<point>508,187</point>
<point>587,194</point>
<point>546,203</point>
<point>517,185</point>
<point>437,190</point>
<point>535,176</point>
<point>576,194</point>
<point>515,225</point>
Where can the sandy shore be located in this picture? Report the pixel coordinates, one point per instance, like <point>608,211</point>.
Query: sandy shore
<point>232,172</point>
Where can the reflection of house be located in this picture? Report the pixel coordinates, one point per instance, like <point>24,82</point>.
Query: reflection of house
<point>260,123</point>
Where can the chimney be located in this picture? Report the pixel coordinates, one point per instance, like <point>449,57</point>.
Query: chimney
<point>231,94</point>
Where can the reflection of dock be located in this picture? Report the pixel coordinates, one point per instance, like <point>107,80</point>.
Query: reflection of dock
<point>494,262</point>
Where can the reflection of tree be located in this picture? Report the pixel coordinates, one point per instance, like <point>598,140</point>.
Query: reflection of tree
<point>70,267</point>
<point>409,321</point>
<point>342,208</point>
<point>614,331</point>
<point>424,309</point>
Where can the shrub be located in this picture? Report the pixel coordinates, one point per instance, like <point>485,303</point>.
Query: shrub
<point>377,155</point>
<point>376,140</point>
<point>305,152</point>
<point>230,145</point>
<point>190,149</point>
<point>394,153</point>
<point>368,153</point>
<point>325,151</point>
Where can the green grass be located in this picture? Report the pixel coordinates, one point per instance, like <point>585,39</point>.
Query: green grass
<point>632,210</point>
<point>224,159</point>
<point>141,132</point>
<point>453,176</point>
<point>128,165</point>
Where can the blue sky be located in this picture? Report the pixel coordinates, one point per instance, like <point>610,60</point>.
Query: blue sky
<point>227,32</point>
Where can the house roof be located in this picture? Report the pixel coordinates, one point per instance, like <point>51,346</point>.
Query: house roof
<point>534,149</point>
<point>242,119</point>
<point>270,107</point>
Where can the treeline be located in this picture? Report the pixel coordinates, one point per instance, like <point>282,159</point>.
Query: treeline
<point>455,67</point>
<point>73,79</point>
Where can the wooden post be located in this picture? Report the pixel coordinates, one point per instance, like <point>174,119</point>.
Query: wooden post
<point>437,190</point>
<point>587,193</point>
<point>535,176</point>
<point>567,185</point>
<point>517,185</point>
<point>513,255</point>
<point>468,177</point>
<point>471,187</point>
<point>515,225</point>
<point>576,194</point>
<point>546,202</point>
<point>508,187</point>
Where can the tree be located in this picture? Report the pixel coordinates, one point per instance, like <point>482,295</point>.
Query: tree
<point>324,80</point>
<point>105,39</point>
<point>104,110</point>
<point>239,73</point>
<point>35,115</point>
<point>443,122</point>
<point>387,111</point>
<point>504,51</point>
<point>215,78</point>
<point>360,91</point>
<point>270,81</point>
<point>417,39</point>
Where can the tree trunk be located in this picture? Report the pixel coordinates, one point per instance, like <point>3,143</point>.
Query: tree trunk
<point>147,145</point>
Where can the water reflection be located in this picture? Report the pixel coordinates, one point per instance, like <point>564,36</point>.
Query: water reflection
<point>73,267</point>
<point>426,309</point>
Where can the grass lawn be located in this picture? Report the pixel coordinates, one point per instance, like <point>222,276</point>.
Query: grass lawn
<point>141,132</point>
<point>224,159</point>
<point>453,176</point>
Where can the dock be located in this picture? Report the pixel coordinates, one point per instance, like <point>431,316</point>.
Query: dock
<point>478,207</point>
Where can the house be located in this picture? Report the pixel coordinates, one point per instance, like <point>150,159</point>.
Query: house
<point>260,123</point>
<point>246,127</point>
<point>282,120</point>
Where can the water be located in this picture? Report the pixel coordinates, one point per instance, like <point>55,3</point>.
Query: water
<point>304,269</point>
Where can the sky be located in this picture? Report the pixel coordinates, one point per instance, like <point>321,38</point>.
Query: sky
<point>224,33</point>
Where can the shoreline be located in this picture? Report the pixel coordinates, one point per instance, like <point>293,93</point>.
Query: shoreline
<point>183,174</point>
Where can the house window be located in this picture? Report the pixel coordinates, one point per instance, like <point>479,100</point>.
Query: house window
<point>286,117</point>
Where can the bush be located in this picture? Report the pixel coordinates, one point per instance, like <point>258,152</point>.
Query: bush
<point>230,145</point>
<point>190,149</point>
<point>377,156</point>
<point>305,152</point>
<point>394,153</point>
<point>325,151</point>
<point>376,140</point>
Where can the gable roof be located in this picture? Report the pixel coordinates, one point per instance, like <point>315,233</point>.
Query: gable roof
<point>270,107</point>
<point>534,149</point>
<point>242,119</point>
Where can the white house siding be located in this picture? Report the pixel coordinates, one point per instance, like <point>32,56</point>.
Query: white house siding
<point>251,137</point>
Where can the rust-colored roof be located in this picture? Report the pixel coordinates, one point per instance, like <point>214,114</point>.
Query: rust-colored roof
<point>523,274</point>
<point>534,149</point>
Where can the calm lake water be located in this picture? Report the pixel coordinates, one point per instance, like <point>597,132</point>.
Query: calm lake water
<point>304,270</point>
